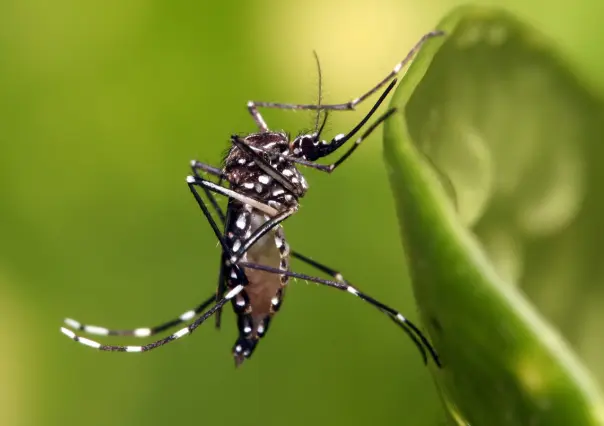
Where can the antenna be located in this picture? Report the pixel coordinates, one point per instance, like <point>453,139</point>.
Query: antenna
<point>320,93</point>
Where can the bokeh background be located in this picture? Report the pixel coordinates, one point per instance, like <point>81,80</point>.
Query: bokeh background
<point>103,105</point>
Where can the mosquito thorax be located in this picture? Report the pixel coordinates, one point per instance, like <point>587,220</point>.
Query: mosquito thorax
<point>248,178</point>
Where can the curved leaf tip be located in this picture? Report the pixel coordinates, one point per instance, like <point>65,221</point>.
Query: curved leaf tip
<point>476,102</point>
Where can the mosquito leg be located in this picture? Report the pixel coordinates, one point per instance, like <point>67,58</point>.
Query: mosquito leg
<point>222,273</point>
<point>142,331</point>
<point>195,167</point>
<point>253,105</point>
<point>225,247</point>
<point>196,181</point>
<point>201,182</point>
<point>198,165</point>
<point>150,331</point>
<point>340,278</point>
<point>144,348</point>
<point>413,330</point>
<point>220,289</point>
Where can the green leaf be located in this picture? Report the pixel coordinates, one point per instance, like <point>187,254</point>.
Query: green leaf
<point>488,119</point>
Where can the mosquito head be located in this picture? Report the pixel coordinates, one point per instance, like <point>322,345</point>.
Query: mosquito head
<point>310,147</point>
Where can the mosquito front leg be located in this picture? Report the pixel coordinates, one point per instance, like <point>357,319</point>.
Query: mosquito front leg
<point>350,105</point>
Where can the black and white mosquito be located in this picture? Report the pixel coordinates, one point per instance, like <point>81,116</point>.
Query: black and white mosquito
<point>264,188</point>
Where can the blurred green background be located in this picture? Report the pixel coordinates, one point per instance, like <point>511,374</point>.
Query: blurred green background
<point>103,105</point>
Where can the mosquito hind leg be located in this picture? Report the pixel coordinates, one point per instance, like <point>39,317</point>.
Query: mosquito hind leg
<point>154,345</point>
<point>140,331</point>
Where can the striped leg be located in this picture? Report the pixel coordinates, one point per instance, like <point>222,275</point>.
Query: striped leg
<point>410,328</point>
<point>253,106</point>
<point>196,166</point>
<point>340,278</point>
<point>144,348</point>
<point>142,331</point>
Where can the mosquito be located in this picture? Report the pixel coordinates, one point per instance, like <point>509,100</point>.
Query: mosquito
<point>264,189</point>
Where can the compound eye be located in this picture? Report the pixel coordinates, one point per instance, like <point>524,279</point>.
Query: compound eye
<point>308,146</point>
